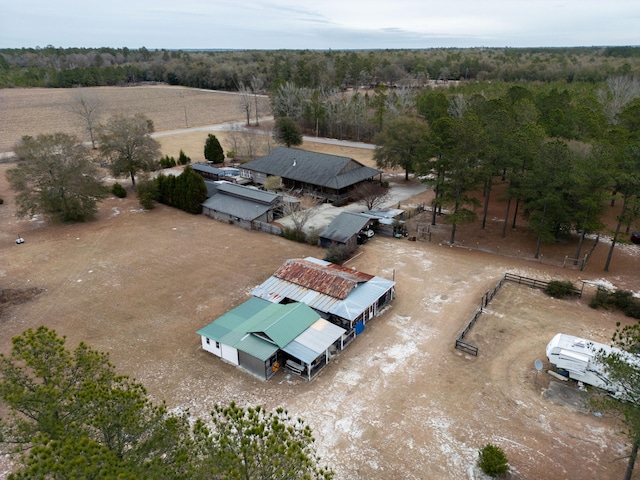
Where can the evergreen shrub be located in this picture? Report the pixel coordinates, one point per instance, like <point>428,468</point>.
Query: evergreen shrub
<point>118,190</point>
<point>493,461</point>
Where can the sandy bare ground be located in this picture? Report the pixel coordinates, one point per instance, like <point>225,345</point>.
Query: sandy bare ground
<point>400,402</point>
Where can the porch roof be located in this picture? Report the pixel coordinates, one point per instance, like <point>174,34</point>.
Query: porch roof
<point>314,341</point>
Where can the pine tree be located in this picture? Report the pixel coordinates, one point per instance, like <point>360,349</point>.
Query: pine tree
<point>213,150</point>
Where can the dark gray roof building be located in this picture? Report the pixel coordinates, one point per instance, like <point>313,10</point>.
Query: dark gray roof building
<point>324,175</point>
<point>237,204</point>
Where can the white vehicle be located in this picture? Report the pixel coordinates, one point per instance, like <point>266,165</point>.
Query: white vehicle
<point>577,356</point>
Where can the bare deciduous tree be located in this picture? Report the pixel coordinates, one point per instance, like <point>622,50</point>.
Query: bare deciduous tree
<point>405,101</point>
<point>300,212</point>
<point>458,105</point>
<point>246,102</point>
<point>287,101</point>
<point>619,92</point>
<point>248,144</point>
<point>370,194</point>
<point>88,107</point>
<point>256,87</point>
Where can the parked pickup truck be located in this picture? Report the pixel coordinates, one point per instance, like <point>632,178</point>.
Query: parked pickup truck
<point>295,367</point>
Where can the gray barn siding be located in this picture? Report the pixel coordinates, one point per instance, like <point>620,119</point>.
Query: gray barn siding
<point>252,364</point>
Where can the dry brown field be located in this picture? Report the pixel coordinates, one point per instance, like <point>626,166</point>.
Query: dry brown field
<point>38,111</point>
<point>400,402</point>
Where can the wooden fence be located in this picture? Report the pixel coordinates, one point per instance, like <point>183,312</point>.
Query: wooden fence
<point>578,263</point>
<point>488,296</point>
<point>466,347</point>
<point>529,282</point>
<point>533,283</point>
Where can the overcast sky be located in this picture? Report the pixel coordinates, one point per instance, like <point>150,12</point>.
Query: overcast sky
<point>318,24</point>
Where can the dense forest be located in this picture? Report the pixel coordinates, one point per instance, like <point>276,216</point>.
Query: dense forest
<point>228,69</point>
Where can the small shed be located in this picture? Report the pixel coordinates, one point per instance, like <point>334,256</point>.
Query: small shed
<point>344,230</point>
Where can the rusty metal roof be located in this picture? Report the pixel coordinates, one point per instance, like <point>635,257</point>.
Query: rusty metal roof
<point>359,298</point>
<point>330,279</point>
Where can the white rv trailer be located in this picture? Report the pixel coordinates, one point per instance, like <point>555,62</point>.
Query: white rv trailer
<point>577,356</point>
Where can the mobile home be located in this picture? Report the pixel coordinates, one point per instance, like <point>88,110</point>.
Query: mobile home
<point>577,356</point>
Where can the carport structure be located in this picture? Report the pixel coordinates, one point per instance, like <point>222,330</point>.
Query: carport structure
<point>344,230</point>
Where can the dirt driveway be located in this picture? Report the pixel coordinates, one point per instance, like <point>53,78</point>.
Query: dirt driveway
<point>400,402</point>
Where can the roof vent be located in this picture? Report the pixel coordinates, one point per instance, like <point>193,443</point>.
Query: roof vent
<point>294,163</point>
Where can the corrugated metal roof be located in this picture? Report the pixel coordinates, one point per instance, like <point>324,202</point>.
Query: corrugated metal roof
<point>320,336</point>
<point>327,278</point>
<point>230,327</point>
<point>223,172</point>
<point>314,341</point>
<point>236,207</point>
<point>199,167</point>
<point>248,193</point>
<point>244,326</point>
<point>212,188</point>
<point>302,353</point>
<point>256,347</point>
<point>276,289</point>
<point>285,323</point>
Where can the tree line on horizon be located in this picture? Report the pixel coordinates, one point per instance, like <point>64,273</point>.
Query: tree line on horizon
<point>229,69</point>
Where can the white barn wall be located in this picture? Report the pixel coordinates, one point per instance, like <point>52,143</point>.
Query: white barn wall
<point>210,346</point>
<point>230,354</point>
<point>223,351</point>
